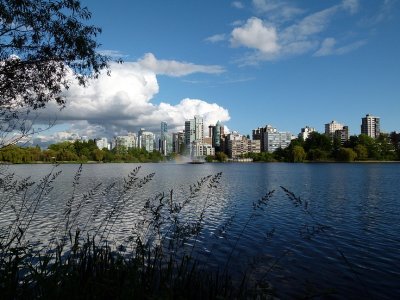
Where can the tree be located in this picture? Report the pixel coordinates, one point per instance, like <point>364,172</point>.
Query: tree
<point>346,154</point>
<point>298,154</point>
<point>362,152</point>
<point>318,141</point>
<point>44,45</point>
<point>221,157</point>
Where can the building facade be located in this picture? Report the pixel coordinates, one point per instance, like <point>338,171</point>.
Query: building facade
<point>216,132</point>
<point>194,131</point>
<point>305,132</point>
<point>102,143</point>
<point>238,145</point>
<point>126,141</point>
<point>370,126</point>
<point>165,140</point>
<point>178,142</point>
<point>147,141</point>
<point>200,150</point>
<point>271,139</point>
<point>337,130</point>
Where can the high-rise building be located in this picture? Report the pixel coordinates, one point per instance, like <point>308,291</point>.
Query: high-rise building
<point>337,130</point>
<point>331,127</point>
<point>147,141</point>
<point>178,142</point>
<point>215,133</point>
<point>342,134</point>
<point>102,143</point>
<point>370,126</point>
<point>305,132</point>
<point>271,139</point>
<point>194,130</point>
<point>126,141</point>
<point>165,141</point>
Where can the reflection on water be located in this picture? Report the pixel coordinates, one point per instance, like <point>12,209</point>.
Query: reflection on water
<point>358,202</point>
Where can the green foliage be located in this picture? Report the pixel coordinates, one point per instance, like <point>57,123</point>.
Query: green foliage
<point>319,147</point>
<point>318,141</point>
<point>346,154</point>
<point>221,157</point>
<point>361,151</point>
<point>78,151</point>
<point>40,42</point>
<point>317,155</point>
<point>260,157</point>
<point>298,154</point>
<point>209,158</point>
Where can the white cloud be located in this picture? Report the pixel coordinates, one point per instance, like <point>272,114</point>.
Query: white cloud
<point>216,38</point>
<point>328,47</point>
<point>175,68</point>
<point>351,5</point>
<point>255,34</point>
<point>237,4</point>
<point>276,10</point>
<point>123,101</point>
<point>271,40</point>
<point>310,25</point>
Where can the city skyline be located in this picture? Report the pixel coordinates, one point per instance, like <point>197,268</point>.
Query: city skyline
<point>245,63</point>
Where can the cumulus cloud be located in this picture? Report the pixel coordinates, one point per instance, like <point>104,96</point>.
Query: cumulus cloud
<point>257,35</point>
<point>175,68</point>
<point>122,102</point>
<point>270,39</point>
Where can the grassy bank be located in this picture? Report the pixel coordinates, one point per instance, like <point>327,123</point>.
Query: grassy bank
<point>157,260</point>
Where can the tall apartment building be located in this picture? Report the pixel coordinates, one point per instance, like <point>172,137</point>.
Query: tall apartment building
<point>165,140</point>
<point>102,143</point>
<point>331,127</point>
<point>305,132</point>
<point>370,126</point>
<point>271,139</point>
<point>147,140</point>
<point>194,130</point>
<point>178,142</point>
<point>215,132</point>
<point>126,141</point>
<point>337,130</point>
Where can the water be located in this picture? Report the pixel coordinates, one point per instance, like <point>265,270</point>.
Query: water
<point>357,255</point>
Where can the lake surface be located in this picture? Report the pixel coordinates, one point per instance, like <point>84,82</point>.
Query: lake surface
<point>357,255</point>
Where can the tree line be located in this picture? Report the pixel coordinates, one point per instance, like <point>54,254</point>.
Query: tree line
<point>78,151</point>
<point>320,147</point>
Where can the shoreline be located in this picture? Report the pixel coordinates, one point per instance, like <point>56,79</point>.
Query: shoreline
<point>227,162</point>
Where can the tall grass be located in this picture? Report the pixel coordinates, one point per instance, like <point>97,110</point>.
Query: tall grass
<point>81,260</point>
<point>157,259</point>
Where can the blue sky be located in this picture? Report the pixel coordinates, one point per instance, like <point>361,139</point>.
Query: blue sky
<point>248,63</point>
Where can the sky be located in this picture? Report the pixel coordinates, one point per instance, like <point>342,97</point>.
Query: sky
<point>249,63</point>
